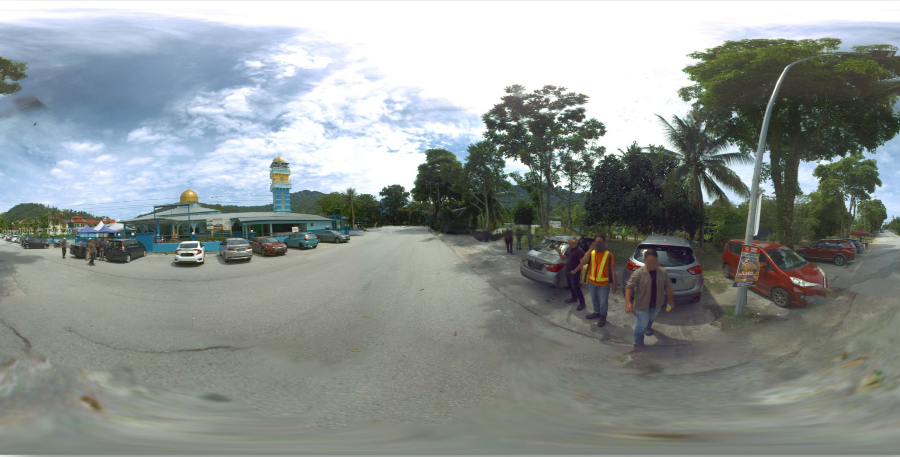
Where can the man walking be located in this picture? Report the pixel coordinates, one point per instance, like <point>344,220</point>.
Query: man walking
<point>644,295</point>
<point>601,278</point>
<point>573,257</point>
<point>63,245</point>
<point>530,246</point>
<point>92,251</point>
<point>508,238</point>
<point>519,234</point>
<point>102,252</point>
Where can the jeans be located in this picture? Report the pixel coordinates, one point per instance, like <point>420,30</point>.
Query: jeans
<point>644,321</point>
<point>530,247</point>
<point>519,243</point>
<point>600,298</point>
<point>575,287</point>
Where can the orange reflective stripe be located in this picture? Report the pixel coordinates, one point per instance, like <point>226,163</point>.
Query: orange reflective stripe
<point>597,270</point>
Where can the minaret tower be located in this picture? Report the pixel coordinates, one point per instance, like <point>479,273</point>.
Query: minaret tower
<point>281,185</point>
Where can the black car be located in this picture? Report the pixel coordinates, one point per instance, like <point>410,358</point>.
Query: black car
<point>78,249</point>
<point>34,242</point>
<point>125,249</point>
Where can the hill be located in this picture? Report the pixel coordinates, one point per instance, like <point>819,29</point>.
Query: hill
<point>27,211</point>
<point>303,201</point>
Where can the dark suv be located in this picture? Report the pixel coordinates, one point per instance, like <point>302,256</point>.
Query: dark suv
<point>78,249</point>
<point>125,249</point>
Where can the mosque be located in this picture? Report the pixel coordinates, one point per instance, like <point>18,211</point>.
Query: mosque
<point>182,220</point>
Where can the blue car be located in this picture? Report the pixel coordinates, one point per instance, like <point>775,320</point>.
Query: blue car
<point>302,240</point>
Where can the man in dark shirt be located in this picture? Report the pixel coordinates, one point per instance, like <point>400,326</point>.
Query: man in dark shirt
<point>508,238</point>
<point>573,257</point>
<point>647,287</point>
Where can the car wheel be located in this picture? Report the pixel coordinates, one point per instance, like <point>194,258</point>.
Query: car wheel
<point>127,258</point>
<point>25,246</point>
<point>781,298</point>
<point>46,246</point>
<point>802,254</point>
<point>226,259</point>
<point>726,270</point>
<point>839,260</point>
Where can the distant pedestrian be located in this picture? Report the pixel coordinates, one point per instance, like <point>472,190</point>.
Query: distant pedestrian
<point>644,295</point>
<point>519,234</point>
<point>103,245</point>
<point>508,237</point>
<point>573,256</point>
<point>601,277</point>
<point>530,246</point>
<point>92,251</point>
<point>63,245</point>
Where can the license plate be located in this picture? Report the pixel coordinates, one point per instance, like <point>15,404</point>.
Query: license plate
<point>674,280</point>
<point>187,255</point>
<point>534,265</point>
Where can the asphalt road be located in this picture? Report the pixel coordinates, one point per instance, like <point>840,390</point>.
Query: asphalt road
<point>396,327</point>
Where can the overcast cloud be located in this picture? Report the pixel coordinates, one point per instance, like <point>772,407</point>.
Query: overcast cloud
<point>146,102</point>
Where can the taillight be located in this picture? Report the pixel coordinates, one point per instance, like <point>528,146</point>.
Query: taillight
<point>306,238</point>
<point>230,249</point>
<point>198,251</point>
<point>553,267</point>
<point>631,266</point>
<point>695,270</point>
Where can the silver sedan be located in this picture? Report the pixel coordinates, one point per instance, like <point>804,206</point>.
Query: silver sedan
<point>235,248</point>
<point>333,236</point>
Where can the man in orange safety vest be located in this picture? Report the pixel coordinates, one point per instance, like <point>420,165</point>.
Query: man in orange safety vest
<point>601,277</point>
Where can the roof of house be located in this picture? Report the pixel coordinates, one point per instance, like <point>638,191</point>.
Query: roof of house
<point>243,218</point>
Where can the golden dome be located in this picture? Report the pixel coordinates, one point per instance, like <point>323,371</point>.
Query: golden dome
<point>189,196</point>
<point>278,159</point>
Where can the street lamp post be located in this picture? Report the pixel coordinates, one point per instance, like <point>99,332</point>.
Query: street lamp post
<point>752,215</point>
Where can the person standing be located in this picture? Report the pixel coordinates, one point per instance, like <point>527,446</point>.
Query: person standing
<point>519,235</point>
<point>573,256</point>
<point>601,277</point>
<point>508,237</point>
<point>92,251</point>
<point>644,295</point>
<point>530,231</point>
<point>63,245</point>
<point>103,245</point>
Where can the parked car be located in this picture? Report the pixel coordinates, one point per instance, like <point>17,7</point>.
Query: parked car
<point>268,246</point>
<point>675,255</point>
<point>190,252</point>
<point>835,250</point>
<point>125,249</point>
<point>860,247</point>
<point>333,236</point>
<point>302,240</point>
<point>784,276</point>
<point>34,242</point>
<point>235,248</point>
<point>78,249</point>
<point>543,265</point>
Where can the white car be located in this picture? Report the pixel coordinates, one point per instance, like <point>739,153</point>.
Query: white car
<point>190,252</point>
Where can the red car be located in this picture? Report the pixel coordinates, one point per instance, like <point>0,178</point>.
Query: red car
<point>837,251</point>
<point>268,246</point>
<point>784,276</point>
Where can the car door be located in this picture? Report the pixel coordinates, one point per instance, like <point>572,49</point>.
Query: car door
<point>814,250</point>
<point>768,275</point>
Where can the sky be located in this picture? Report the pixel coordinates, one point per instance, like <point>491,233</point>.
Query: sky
<point>146,99</point>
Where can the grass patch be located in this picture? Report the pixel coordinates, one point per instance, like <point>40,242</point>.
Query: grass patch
<point>727,320</point>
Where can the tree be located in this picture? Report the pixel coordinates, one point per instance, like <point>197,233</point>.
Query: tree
<point>575,169</point>
<point>702,163</point>
<point>438,180</point>
<point>827,107</point>
<point>873,214</point>
<point>393,199</point>
<point>852,177</point>
<point>605,205</point>
<point>367,206</point>
<point>10,73</point>
<point>894,225</point>
<point>535,128</point>
<point>523,213</point>
<point>486,179</point>
<point>328,202</point>
<point>350,196</point>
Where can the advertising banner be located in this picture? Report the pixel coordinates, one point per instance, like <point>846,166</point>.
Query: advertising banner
<point>748,268</point>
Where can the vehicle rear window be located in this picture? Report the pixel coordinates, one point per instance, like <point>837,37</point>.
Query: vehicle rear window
<point>268,240</point>
<point>786,259</point>
<point>669,256</point>
<point>550,245</point>
<point>188,246</point>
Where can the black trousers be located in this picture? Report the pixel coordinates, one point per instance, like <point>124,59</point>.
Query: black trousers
<point>64,253</point>
<point>575,287</point>
<point>509,246</point>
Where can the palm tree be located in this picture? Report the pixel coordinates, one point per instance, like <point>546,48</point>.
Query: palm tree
<point>351,196</point>
<point>702,163</point>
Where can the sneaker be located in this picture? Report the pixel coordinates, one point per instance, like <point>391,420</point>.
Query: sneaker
<point>638,347</point>
<point>593,316</point>
<point>571,300</point>
<point>602,321</point>
<point>580,307</point>
<point>648,332</point>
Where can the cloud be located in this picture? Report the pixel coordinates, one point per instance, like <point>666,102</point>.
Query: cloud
<point>145,135</point>
<point>82,147</point>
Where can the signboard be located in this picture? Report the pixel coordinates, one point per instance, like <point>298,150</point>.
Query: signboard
<point>295,229</point>
<point>216,223</point>
<point>748,268</point>
<point>556,224</point>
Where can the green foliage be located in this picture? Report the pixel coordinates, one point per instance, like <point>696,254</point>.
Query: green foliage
<point>484,179</point>
<point>523,213</point>
<point>10,73</point>
<point>852,178</point>
<point>28,211</point>
<point>393,199</point>
<point>873,214</point>
<point>827,107</point>
<point>537,129</point>
<point>439,181</point>
<point>893,225</point>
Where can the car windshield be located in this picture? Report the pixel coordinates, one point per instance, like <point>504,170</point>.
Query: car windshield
<point>669,256</point>
<point>267,240</point>
<point>188,245</point>
<point>786,259</point>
